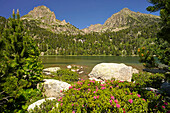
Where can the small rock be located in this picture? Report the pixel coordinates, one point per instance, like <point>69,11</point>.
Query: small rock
<point>81,72</point>
<point>73,70</point>
<point>51,69</point>
<point>69,67</point>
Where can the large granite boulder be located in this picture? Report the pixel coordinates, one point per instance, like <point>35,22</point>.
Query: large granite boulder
<point>107,71</point>
<point>54,88</point>
<point>38,103</point>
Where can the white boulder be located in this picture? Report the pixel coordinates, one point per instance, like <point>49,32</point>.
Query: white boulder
<point>38,103</point>
<point>54,88</point>
<point>107,71</point>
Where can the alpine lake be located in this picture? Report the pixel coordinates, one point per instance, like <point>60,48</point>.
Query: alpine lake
<point>88,62</point>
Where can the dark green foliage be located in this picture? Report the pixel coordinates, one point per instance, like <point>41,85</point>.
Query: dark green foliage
<point>148,79</point>
<point>164,7</point>
<point>20,67</point>
<point>161,48</point>
<point>124,42</point>
<point>66,75</point>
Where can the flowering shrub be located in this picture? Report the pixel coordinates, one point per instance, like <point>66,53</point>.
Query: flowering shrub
<point>145,79</point>
<point>146,58</point>
<point>112,96</point>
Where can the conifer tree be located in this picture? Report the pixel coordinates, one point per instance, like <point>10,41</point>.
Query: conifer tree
<point>20,67</point>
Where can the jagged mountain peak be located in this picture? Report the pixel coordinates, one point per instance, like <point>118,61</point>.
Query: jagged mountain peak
<point>125,10</point>
<point>122,20</point>
<point>42,13</point>
<point>43,17</point>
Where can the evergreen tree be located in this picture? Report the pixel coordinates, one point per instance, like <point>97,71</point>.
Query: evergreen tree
<point>20,67</point>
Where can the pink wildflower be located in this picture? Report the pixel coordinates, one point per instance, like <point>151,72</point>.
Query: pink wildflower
<point>70,87</point>
<point>117,105</point>
<point>82,105</point>
<point>72,104</point>
<point>116,101</point>
<point>117,86</point>
<point>97,89</point>
<point>110,101</point>
<point>143,99</point>
<point>60,90</point>
<point>102,84</point>
<point>112,97</point>
<point>94,97</point>
<point>130,100</point>
<point>165,103</point>
<point>73,111</point>
<point>97,96</point>
<point>138,95</point>
<point>111,87</point>
<point>88,84</point>
<point>74,88</point>
<point>61,104</point>
<point>108,83</point>
<point>58,99</point>
<point>88,89</point>
<point>163,107</point>
<point>94,92</point>
<point>103,87</point>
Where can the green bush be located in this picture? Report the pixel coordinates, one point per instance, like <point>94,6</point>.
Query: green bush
<point>146,79</point>
<point>20,68</point>
<point>113,96</point>
<point>66,75</point>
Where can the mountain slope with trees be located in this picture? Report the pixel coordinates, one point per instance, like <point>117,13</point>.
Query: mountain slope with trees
<point>126,31</point>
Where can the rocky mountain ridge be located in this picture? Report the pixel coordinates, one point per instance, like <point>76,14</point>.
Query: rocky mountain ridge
<point>46,19</point>
<point>122,20</point>
<point>42,17</point>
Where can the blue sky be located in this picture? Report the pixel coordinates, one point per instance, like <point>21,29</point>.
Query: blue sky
<point>80,13</point>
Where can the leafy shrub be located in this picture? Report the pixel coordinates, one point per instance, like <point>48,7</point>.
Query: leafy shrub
<point>147,58</point>
<point>148,79</point>
<point>113,96</point>
<point>20,68</point>
<point>66,75</point>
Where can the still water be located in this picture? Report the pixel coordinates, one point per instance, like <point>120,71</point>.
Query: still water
<point>89,61</point>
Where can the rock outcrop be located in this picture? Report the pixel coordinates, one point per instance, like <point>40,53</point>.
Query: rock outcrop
<point>38,103</point>
<point>54,88</point>
<point>44,18</point>
<point>166,88</point>
<point>107,71</point>
<point>47,71</point>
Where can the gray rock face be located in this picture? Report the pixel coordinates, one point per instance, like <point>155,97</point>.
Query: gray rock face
<point>166,87</point>
<point>53,87</point>
<point>38,103</point>
<point>106,71</point>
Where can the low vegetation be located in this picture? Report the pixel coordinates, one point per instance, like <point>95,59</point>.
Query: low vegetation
<point>112,96</point>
